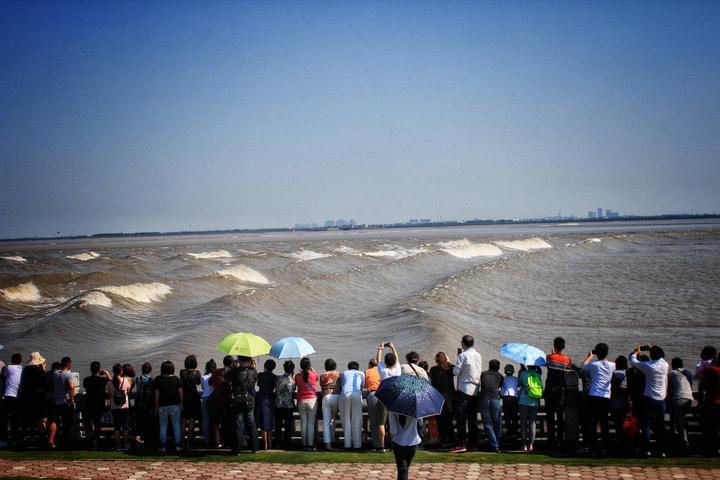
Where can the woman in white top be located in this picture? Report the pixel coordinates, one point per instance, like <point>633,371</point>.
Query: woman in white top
<point>405,440</point>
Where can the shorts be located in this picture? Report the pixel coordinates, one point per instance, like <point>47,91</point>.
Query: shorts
<point>121,418</point>
<point>379,413</point>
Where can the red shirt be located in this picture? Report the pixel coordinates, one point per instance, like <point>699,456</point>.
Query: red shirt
<point>304,392</point>
<point>558,359</point>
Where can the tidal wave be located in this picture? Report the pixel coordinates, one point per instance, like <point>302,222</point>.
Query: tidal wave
<point>24,293</point>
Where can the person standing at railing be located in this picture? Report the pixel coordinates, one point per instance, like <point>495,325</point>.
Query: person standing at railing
<point>351,384</point>
<point>655,371</point>
<point>375,407</point>
<point>680,398</point>
<point>601,373</point>
<point>557,364</point>
<point>330,387</point>
<point>468,370</point>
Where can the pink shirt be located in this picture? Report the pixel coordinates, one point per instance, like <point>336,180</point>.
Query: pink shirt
<point>304,392</point>
<point>125,384</point>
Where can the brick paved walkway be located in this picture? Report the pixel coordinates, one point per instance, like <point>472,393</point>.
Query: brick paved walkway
<point>142,470</point>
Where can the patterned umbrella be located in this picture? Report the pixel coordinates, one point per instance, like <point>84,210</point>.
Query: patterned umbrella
<point>244,344</point>
<point>291,347</point>
<point>410,395</point>
<point>523,353</point>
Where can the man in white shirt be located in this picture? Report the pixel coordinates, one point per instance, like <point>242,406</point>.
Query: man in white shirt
<point>656,377</point>
<point>467,369</point>
<point>389,368</point>
<point>11,405</point>
<point>598,400</point>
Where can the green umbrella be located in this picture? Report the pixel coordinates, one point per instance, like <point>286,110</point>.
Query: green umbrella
<point>244,344</point>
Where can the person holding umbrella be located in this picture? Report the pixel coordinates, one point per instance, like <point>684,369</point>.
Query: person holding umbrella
<point>407,398</point>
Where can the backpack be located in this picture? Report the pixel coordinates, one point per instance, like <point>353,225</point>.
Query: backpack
<point>119,395</point>
<point>534,385</point>
<point>241,399</point>
<point>145,398</point>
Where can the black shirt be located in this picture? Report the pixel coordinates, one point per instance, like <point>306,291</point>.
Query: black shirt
<point>95,390</point>
<point>490,381</point>
<point>242,379</point>
<point>168,388</point>
<point>443,380</point>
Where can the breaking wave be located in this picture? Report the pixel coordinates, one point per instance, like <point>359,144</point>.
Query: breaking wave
<point>243,274</point>
<point>208,255</point>
<point>525,245</point>
<point>396,253</point>
<point>139,292</point>
<point>467,249</point>
<point>307,255</point>
<point>95,298</point>
<point>25,292</point>
<point>84,257</point>
<point>15,258</point>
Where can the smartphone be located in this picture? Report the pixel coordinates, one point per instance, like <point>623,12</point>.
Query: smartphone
<point>386,344</point>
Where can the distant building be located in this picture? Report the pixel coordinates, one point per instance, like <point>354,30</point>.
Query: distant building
<point>425,220</point>
<point>329,223</point>
<point>610,214</point>
<point>599,213</point>
<point>413,221</point>
<point>352,222</point>
<point>340,222</point>
<point>592,215</point>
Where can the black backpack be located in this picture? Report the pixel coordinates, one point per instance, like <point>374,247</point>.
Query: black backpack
<point>145,398</point>
<point>242,384</point>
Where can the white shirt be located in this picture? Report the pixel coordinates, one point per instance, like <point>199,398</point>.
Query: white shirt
<point>656,376</point>
<point>385,372</point>
<point>509,386</point>
<point>404,435</point>
<point>207,389</point>
<point>12,380</point>
<point>601,374</point>
<point>414,370</point>
<point>468,369</point>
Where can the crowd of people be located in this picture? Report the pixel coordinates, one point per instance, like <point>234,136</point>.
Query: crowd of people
<point>238,406</point>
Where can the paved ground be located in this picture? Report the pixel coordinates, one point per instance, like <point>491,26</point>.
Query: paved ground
<point>140,470</point>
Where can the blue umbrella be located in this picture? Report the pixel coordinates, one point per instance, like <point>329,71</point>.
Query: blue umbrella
<point>291,347</point>
<point>410,395</point>
<point>523,353</point>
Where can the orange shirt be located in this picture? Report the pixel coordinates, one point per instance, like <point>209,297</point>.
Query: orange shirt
<point>372,379</point>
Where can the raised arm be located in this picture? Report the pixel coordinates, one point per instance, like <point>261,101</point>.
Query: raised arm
<point>378,356</point>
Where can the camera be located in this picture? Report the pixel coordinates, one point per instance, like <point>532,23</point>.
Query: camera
<point>386,344</point>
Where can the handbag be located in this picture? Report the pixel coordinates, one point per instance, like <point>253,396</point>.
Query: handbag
<point>630,426</point>
<point>119,395</point>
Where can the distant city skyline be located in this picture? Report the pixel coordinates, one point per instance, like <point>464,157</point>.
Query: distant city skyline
<point>157,116</point>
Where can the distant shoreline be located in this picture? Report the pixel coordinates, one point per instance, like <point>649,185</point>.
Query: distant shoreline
<point>453,223</point>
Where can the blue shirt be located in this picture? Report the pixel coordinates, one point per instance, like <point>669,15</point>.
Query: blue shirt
<point>351,381</point>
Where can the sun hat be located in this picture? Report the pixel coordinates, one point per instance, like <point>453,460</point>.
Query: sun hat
<point>509,369</point>
<point>36,359</point>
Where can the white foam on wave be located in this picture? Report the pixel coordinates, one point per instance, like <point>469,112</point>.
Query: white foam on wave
<point>96,298</point>
<point>307,255</point>
<point>84,257</point>
<point>25,292</point>
<point>345,250</point>
<point>15,258</point>
<point>467,249</point>
<point>590,240</point>
<point>139,292</point>
<point>214,254</point>
<point>526,245</point>
<point>243,274</point>
<point>396,253</point>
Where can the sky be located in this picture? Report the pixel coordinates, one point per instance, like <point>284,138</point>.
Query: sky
<point>168,115</point>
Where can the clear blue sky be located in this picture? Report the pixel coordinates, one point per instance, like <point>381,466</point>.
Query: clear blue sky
<point>130,116</point>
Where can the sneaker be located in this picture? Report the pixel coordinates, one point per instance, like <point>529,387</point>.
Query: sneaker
<point>458,449</point>
<point>524,448</point>
<point>161,450</point>
<point>530,447</point>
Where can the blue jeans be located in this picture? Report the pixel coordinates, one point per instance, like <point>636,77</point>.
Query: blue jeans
<point>491,412</point>
<point>172,412</point>
<point>654,417</point>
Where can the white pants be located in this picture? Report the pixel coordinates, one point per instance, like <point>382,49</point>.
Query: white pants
<point>351,411</point>
<point>330,405</point>
<point>308,411</point>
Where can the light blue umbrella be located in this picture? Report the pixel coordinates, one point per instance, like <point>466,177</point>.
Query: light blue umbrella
<point>291,347</point>
<point>523,353</point>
